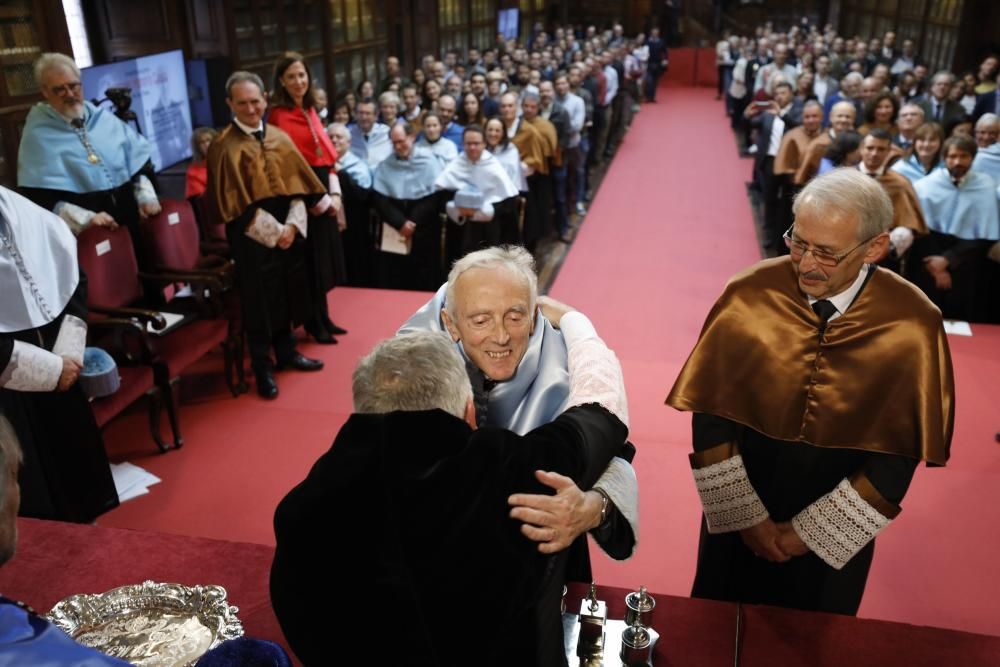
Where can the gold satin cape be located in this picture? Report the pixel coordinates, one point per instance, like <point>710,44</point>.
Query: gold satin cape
<point>241,172</point>
<point>793,147</point>
<point>906,211</point>
<point>881,379</point>
<point>531,145</point>
<point>809,164</point>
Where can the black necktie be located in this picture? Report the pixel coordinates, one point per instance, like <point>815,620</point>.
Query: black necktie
<point>937,111</point>
<point>825,309</point>
<point>259,135</point>
<point>77,123</point>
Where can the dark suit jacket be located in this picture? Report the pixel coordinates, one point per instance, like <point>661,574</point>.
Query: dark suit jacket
<point>403,527</point>
<point>560,119</point>
<point>986,103</point>
<point>952,113</point>
<point>765,122</point>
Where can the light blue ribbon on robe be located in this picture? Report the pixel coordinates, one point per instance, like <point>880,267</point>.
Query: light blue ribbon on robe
<point>53,157</point>
<point>31,640</point>
<point>357,169</point>
<point>968,212</point>
<point>412,178</point>
<point>913,169</point>
<point>539,390</point>
<point>988,162</point>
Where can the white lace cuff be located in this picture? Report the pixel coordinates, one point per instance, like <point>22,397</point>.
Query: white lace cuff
<point>727,496</point>
<point>839,525</point>
<point>322,206</point>
<point>72,339</point>
<point>619,481</point>
<point>75,216</point>
<point>297,217</point>
<point>595,376</point>
<point>31,369</point>
<point>144,192</point>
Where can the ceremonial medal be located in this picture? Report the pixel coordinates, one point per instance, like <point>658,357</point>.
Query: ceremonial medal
<point>319,151</point>
<point>93,159</point>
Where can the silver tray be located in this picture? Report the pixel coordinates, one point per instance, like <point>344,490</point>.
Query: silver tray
<point>150,624</point>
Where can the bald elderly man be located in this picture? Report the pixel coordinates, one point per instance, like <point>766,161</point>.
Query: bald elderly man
<point>842,117</point>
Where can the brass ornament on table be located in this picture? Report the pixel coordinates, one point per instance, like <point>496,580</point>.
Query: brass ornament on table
<point>150,624</point>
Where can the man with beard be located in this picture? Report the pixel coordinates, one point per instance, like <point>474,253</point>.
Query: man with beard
<point>809,415</point>
<point>81,161</point>
<point>960,207</point>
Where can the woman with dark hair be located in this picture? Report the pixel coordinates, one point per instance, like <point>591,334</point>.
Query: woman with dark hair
<point>196,179</point>
<point>431,91</point>
<point>845,151</point>
<point>926,154</point>
<point>343,112</point>
<point>804,87</point>
<point>431,138</point>
<point>293,111</point>
<point>419,78</point>
<point>471,112</point>
<point>507,213</point>
<point>881,112</point>
<point>366,90</point>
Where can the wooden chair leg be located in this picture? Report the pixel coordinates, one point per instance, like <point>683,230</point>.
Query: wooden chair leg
<point>172,414</point>
<point>155,402</point>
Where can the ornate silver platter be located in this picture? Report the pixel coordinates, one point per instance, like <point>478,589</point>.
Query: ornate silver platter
<point>150,624</point>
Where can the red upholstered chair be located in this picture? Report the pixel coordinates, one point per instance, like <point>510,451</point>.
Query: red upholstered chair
<point>213,230</point>
<point>108,260</point>
<point>170,240</point>
<point>106,256</point>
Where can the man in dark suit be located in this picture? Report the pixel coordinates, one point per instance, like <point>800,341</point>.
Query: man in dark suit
<point>987,103</point>
<point>783,114</point>
<point>409,508</point>
<point>936,105</point>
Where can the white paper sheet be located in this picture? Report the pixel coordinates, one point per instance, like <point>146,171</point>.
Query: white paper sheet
<point>393,241</point>
<point>957,328</point>
<point>131,481</point>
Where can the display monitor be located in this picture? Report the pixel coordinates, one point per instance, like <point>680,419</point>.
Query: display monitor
<point>508,21</point>
<point>158,86</point>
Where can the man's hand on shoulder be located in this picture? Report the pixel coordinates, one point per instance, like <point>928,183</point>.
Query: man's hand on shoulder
<point>555,521</point>
<point>553,310</point>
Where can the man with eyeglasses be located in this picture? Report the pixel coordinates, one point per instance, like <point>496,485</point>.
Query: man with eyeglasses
<point>81,161</point>
<point>809,413</point>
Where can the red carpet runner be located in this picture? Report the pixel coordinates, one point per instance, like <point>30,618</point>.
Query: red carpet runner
<point>670,225</point>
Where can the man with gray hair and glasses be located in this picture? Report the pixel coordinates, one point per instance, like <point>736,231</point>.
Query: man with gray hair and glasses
<point>434,530</point>
<point>809,413</point>
<point>80,161</point>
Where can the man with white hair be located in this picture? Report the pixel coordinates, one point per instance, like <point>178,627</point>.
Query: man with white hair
<point>81,161</point>
<point>435,489</point>
<point>809,413</point>
<point>517,361</point>
<point>842,117</point>
<point>987,158</point>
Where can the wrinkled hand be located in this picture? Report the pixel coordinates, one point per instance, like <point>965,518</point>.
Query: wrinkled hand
<point>70,374</point>
<point>149,209</point>
<point>789,541</point>
<point>336,201</point>
<point>103,219</point>
<point>762,539</point>
<point>555,521</point>
<point>937,266</point>
<point>287,237</point>
<point>407,229</point>
<point>528,171</point>
<point>553,310</point>
<point>467,212</point>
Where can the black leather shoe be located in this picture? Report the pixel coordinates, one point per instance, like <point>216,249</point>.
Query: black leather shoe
<point>334,329</point>
<point>266,386</point>
<point>301,363</point>
<point>321,335</point>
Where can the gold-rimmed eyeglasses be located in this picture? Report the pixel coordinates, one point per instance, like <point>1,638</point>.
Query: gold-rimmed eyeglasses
<point>798,249</point>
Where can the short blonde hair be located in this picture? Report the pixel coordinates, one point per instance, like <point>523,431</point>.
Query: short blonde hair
<point>512,258</point>
<point>49,61</point>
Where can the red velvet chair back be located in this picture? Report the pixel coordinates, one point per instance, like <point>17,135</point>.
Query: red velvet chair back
<point>170,238</point>
<point>212,228</point>
<point>107,257</point>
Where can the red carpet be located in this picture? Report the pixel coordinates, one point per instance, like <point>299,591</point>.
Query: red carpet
<point>670,225</point>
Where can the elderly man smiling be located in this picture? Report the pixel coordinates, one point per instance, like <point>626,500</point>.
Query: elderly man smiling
<point>517,363</point>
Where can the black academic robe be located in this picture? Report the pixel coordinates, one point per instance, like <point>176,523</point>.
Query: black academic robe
<point>972,296</point>
<point>65,474</point>
<point>324,254</point>
<point>359,239</point>
<point>403,525</point>
<point>422,269</point>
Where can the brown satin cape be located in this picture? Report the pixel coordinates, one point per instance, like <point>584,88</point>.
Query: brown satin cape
<point>809,165</point>
<point>793,146</point>
<point>531,145</point>
<point>548,132</point>
<point>880,381</point>
<point>906,211</point>
<point>242,173</point>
